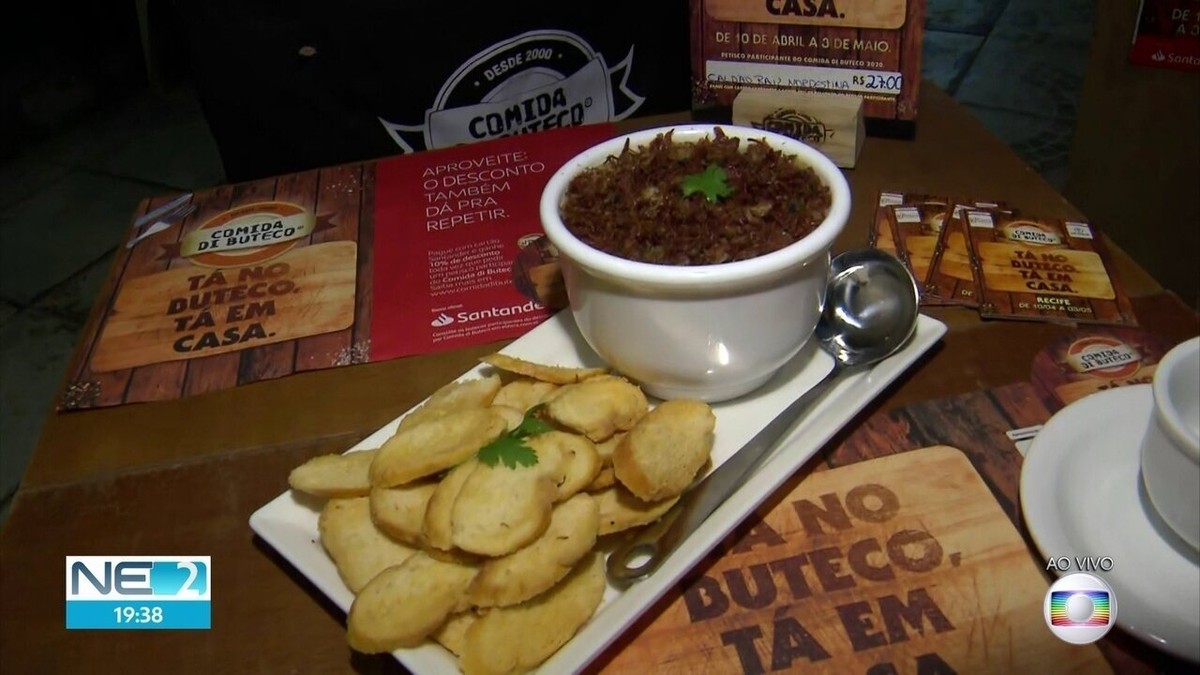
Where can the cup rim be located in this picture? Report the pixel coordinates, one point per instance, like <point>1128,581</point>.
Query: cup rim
<point>1169,416</point>
<point>817,242</point>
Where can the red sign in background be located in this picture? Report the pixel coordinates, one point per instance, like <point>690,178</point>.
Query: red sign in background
<point>1168,35</point>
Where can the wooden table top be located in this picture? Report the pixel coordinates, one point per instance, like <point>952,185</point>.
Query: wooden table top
<point>183,476</point>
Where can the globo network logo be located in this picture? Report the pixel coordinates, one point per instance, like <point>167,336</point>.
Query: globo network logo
<point>1080,608</point>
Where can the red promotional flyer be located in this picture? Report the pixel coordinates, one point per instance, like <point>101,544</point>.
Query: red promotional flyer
<point>1167,35</point>
<point>459,254</point>
<point>325,268</point>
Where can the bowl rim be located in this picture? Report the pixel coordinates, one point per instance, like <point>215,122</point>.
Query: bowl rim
<point>1169,416</point>
<point>816,243</point>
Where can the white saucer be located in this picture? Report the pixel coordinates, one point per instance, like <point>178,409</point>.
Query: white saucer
<point>1082,495</point>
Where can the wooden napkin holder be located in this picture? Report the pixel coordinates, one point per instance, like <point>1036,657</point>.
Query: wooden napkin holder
<point>831,123</point>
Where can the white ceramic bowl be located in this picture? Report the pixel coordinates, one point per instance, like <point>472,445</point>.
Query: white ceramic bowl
<point>1171,448</point>
<point>711,332</point>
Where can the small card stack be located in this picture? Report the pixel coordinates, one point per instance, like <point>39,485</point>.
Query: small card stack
<point>981,253</point>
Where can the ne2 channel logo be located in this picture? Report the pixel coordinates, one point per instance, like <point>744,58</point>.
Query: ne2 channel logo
<point>139,592</point>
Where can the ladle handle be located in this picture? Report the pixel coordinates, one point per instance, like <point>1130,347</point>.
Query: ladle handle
<point>642,552</point>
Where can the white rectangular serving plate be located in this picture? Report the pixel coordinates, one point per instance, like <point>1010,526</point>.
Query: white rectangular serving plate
<point>289,522</point>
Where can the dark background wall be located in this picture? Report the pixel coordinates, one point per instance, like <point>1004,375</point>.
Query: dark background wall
<point>65,60</point>
<point>1135,163</point>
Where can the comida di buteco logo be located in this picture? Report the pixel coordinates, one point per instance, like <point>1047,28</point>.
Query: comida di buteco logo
<point>534,81</point>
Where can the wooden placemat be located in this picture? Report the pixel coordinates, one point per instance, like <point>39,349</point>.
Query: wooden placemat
<point>904,563</point>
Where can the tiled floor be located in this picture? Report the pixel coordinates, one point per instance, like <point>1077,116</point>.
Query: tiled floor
<point>64,204</point>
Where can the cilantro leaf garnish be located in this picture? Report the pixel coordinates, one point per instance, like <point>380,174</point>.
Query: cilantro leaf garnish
<point>510,449</point>
<point>531,425</point>
<point>711,182</point>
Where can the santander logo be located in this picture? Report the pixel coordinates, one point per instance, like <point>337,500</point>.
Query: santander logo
<point>443,319</point>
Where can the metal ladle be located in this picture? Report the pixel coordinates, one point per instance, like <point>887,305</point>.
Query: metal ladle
<point>870,311</point>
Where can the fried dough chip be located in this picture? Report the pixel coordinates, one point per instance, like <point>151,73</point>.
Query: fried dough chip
<point>538,371</point>
<point>569,460</point>
<point>500,509</point>
<point>660,456</point>
<point>335,476</point>
<point>512,416</point>
<point>608,446</point>
<point>405,603</point>
<point>522,574</point>
<point>400,511</point>
<point>605,479</point>
<point>436,526</point>
<point>523,394</point>
<point>453,634</point>
<point>459,395</point>
<point>621,510</point>
<point>433,446</point>
<point>359,549</point>
<point>598,407</point>
<point>494,556</point>
<point>515,639</point>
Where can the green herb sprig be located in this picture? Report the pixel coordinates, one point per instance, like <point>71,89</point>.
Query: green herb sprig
<point>711,182</point>
<point>511,449</point>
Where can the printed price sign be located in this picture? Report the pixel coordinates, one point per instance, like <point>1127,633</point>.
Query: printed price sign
<point>866,49</point>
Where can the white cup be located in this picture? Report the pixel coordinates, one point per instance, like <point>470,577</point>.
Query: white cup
<point>711,332</point>
<point>1171,447</point>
